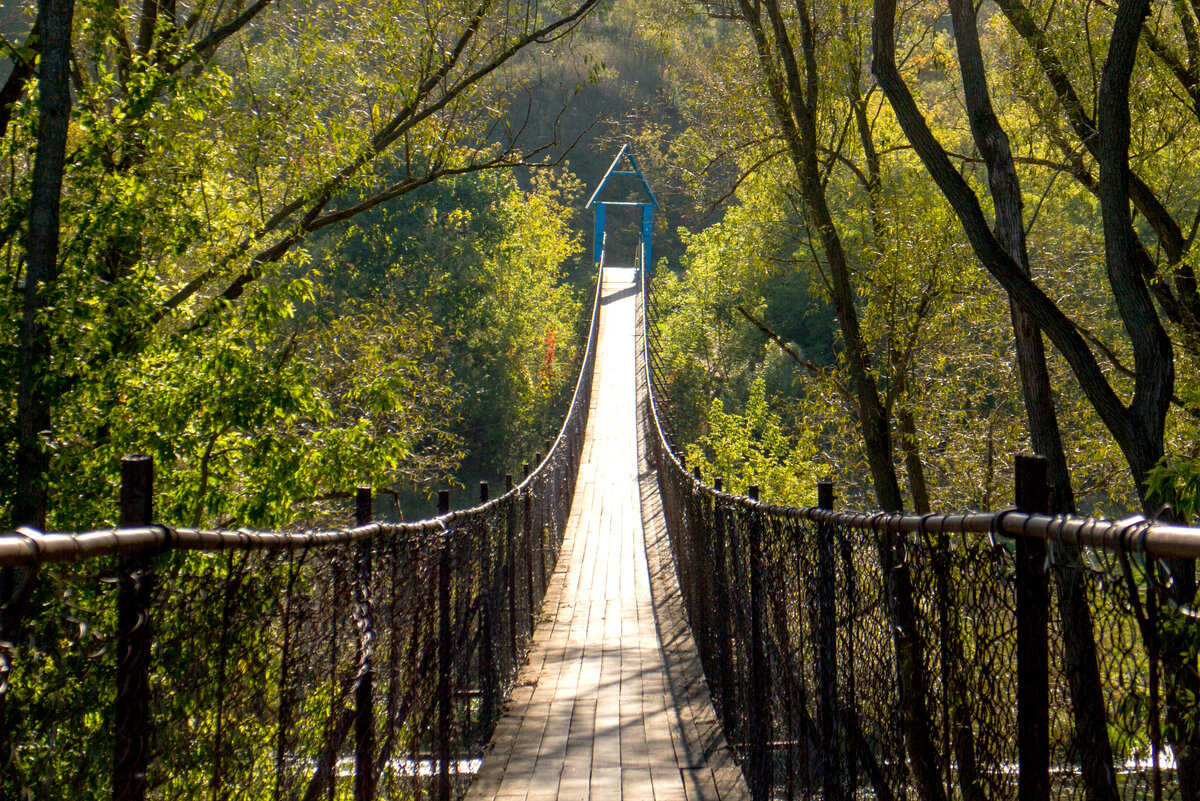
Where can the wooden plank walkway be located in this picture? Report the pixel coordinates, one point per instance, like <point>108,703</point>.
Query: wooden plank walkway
<point>603,710</point>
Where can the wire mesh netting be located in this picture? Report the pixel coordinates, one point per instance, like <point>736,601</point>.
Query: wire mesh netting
<point>273,674</point>
<point>893,657</point>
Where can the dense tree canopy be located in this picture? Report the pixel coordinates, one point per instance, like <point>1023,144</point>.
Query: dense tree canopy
<point>202,147</point>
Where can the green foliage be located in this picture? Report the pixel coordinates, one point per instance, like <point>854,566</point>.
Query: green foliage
<point>1177,482</point>
<point>708,350</point>
<point>193,319</point>
<point>268,412</point>
<point>936,327</point>
<point>751,448</point>
<point>63,706</point>
<point>488,263</point>
<point>530,318</point>
<point>389,373</point>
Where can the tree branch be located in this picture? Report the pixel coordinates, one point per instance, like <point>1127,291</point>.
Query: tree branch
<point>811,367</point>
<point>954,187</point>
<point>411,115</point>
<point>18,79</point>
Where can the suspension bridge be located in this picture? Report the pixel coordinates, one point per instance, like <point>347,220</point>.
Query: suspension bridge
<point>611,625</point>
<point>597,712</point>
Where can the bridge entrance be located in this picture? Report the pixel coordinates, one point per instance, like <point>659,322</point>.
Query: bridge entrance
<point>624,186</point>
<point>623,236</point>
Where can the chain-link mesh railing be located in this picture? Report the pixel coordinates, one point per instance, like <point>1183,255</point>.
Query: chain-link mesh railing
<point>370,662</point>
<point>991,656</point>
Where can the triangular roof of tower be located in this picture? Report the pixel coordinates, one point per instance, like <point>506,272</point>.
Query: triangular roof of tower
<point>634,171</point>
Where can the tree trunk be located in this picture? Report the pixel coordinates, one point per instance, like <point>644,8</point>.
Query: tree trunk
<point>906,424</point>
<point>1154,367</point>
<point>1080,662</point>
<point>794,102</point>
<point>1138,427</point>
<point>1182,304</point>
<point>33,396</point>
<point>1009,231</point>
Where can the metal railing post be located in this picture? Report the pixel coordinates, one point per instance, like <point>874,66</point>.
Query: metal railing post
<point>725,663</point>
<point>760,677</point>
<point>849,690</point>
<point>510,568</point>
<point>445,661</point>
<point>364,704</point>
<point>701,588</point>
<point>537,524</point>
<point>527,544</point>
<point>1033,599</point>
<point>487,593</point>
<point>827,711</point>
<point>131,709</point>
<point>550,515</point>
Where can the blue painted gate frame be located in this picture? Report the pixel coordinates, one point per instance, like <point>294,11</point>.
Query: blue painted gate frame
<point>648,206</point>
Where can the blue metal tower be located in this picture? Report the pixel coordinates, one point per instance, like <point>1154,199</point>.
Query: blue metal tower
<point>648,206</point>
